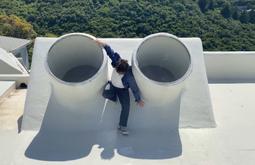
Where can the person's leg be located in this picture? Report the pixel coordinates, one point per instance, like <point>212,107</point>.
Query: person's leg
<point>123,95</point>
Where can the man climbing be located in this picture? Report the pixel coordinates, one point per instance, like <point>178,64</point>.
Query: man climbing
<point>122,79</point>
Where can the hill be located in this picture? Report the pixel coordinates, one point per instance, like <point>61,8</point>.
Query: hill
<point>221,24</point>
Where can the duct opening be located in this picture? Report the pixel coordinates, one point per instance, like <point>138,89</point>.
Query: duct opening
<point>163,59</point>
<point>75,58</point>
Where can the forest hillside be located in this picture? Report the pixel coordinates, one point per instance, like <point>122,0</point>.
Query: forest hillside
<point>221,24</point>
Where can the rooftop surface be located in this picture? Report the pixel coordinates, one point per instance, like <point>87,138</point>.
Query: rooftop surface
<point>10,43</point>
<point>230,143</point>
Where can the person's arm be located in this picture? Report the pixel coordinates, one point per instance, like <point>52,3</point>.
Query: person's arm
<point>114,56</point>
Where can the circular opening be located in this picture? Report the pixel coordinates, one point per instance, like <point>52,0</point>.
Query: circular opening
<point>163,58</point>
<point>74,58</point>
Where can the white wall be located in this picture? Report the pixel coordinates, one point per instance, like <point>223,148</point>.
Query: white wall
<point>18,78</point>
<point>230,67</point>
<point>23,55</point>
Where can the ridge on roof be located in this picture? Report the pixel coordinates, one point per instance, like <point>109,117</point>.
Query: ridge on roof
<point>10,43</point>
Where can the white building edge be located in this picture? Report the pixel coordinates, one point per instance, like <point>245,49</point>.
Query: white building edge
<point>18,47</point>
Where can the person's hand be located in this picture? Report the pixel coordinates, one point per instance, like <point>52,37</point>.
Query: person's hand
<point>140,103</point>
<point>100,43</point>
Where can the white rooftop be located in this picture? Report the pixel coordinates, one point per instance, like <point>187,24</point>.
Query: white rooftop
<point>10,43</point>
<point>9,64</point>
<point>231,142</point>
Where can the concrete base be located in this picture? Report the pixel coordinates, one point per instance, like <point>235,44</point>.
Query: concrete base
<point>9,64</point>
<point>18,78</point>
<point>6,87</point>
<point>195,106</point>
<point>11,110</point>
<point>230,67</point>
<point>75,132</point>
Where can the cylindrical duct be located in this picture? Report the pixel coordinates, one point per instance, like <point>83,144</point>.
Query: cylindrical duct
<point>161,64</point>
<point>77,68</point>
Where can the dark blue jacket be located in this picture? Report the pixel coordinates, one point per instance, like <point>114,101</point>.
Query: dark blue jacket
<point>128,79</point>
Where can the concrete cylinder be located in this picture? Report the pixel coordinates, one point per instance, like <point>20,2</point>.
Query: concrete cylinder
<point>77,69</point>
<point>161,65</point>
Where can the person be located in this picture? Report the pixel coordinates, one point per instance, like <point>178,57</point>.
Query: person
<point>122,79</point>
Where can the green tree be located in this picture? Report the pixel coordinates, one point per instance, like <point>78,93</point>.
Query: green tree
<point>202,4</point>
<point>16,27</point>
<point>211,5</point>
<point>226,11</point>
<point>252,16</point>
<point>132,18</point>
<point>244,17</point>
<point>236,14</point>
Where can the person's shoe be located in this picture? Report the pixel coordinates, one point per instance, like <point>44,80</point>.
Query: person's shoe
<point>123,130</point>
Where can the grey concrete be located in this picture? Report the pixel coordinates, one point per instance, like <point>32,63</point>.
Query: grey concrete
<point>75,103</point>
<point>230,67</point>
<point>76,111</point>
<point>6,87</point>
<point>196,109</point>
<point>87,134</point>
<point>153,71</point>
<point>79,73</point>
<point>231,143</point>
<point>22,55</point>
<point>10,43</point>
<point>161,52</point>
<point>16,46</point>
<point>69,117</point>
<point>9,64</point>
<point>80,112</point>
<point>18,78</point>
<point>11,110</point>
<point>74,52</point>
<point>11,69</point>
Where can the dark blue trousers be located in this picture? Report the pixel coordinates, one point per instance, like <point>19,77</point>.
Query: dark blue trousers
<point>123,95</point>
